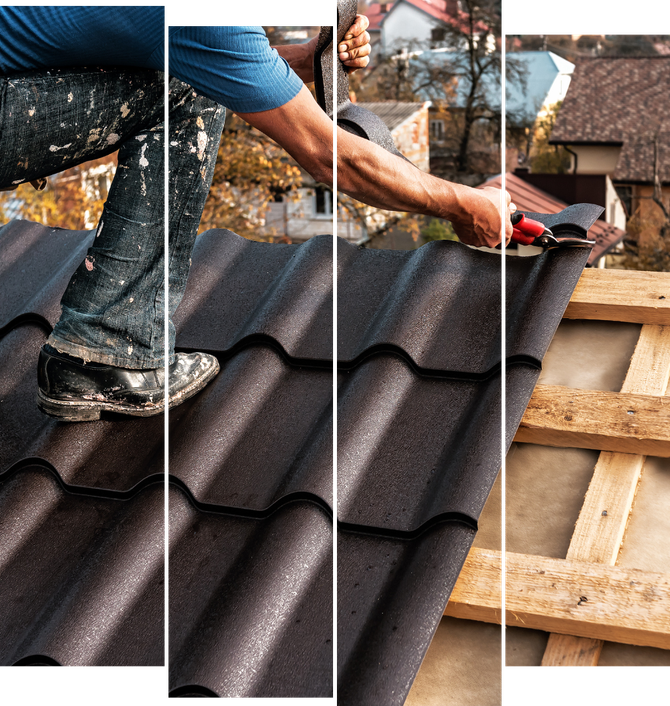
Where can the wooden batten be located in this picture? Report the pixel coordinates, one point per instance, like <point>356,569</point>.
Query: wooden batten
<point>583,600</point>
<point>621,295</point>
<point>592,419</point>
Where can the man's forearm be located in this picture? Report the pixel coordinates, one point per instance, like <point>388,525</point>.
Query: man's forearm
<point>371,174</point>
<point>377,177</point>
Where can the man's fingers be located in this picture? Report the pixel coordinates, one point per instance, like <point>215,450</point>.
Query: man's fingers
<point>354,50</point>
<point>360,41</point>
<point>510,208</point>
<point>359,26</point>
<point>357,57</point>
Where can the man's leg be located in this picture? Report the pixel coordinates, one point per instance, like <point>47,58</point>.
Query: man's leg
<point>113,307</point>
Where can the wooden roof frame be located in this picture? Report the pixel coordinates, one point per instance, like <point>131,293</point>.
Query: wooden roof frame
<point>585,599</point>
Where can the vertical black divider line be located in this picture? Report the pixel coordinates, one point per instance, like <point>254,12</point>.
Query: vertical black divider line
<point>503,344</point>
<point>333,88</point>
<point>165,562</point>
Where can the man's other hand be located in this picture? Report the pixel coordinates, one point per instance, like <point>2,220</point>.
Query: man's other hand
<point>354,49</point>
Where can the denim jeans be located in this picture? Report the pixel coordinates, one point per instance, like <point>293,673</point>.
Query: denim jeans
<point>113,308</point>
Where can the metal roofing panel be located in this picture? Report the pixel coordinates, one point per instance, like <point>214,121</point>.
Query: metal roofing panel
<point>93,566</point>
<point>251,605</point>
<point>412,304</point>
<point>404,454</point>
<point>36,264</point>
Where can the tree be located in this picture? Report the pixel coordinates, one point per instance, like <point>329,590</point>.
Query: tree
<point>251,171</point>
<point>653,251</point>
<point>459,72</point>
<point>72,199</point>
<point>546,158</point>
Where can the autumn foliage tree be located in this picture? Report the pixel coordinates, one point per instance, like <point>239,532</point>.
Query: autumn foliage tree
<point>251,171</point>
<point>72,199</point>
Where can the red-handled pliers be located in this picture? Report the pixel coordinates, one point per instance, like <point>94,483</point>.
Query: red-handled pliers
<point>529,232</point>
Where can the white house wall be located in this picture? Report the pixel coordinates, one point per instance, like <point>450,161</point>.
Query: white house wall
<point>296,219</point>
<point>405,25</point>
<point>614,211</point>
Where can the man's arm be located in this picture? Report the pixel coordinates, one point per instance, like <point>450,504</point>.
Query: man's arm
<point>376,177</point>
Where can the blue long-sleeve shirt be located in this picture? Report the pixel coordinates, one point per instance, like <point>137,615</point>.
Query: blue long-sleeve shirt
<point>235,66</point>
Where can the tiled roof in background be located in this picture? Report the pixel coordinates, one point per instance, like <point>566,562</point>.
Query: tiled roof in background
<point>270,564</point>
<point>622,100</point>
<point>393,113</point>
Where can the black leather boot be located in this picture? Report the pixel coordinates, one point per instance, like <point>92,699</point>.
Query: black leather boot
<point>74,391</point>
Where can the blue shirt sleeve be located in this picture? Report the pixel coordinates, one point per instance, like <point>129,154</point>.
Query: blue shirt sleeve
<point>234,66</point>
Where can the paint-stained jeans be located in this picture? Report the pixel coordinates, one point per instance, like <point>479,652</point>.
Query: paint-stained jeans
<point>113,307</point>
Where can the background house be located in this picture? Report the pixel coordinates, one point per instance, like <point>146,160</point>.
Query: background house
<point>536,82</point>
<point>614,122</point>
<point>414,23</point>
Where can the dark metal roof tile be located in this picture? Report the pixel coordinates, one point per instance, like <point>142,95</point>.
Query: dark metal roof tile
<point>410,302</point>
<point>409,449</point>
<point>36,264</point>
<point>240,585</point>
<point>250,604</point>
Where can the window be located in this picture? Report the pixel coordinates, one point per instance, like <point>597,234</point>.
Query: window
<point>383,7</point>
<point>437,34</point>
<point>323,202</point>
<point>625,194</point>
<point>437,130</point>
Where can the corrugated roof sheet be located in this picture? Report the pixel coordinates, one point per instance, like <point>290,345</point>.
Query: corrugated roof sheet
<point>307,505</point>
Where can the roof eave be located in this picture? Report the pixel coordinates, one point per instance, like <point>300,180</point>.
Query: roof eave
<point>588,143</point>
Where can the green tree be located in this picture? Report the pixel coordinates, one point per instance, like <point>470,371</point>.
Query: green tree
<point>438,230</point>
<point>546,158</point>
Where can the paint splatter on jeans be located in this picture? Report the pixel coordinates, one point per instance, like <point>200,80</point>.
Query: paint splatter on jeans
<point>113,308</point>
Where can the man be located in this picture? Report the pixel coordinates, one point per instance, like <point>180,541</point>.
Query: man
<point>107,351</point>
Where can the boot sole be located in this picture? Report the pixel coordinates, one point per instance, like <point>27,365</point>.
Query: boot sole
<point>90,410</point>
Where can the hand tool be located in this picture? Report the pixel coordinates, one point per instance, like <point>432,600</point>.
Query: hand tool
<point>530,232</point>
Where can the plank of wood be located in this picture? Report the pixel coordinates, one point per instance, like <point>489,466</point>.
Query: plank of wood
<point>621,295</point>
<point>573,598</point>
<point>593,419</point>
<point>600,528</point>
<point>597,536</point>
<point>571,651</point>
<point>649,369</point>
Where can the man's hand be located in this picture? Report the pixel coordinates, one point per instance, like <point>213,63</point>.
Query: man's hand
<point>477,220</point>
<point>355,48</point>
<point>354,51</point>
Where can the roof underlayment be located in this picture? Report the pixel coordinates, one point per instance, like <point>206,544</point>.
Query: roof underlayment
<point>250,503</point>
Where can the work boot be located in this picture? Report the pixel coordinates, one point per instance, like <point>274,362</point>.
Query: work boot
<point>74,391</point>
